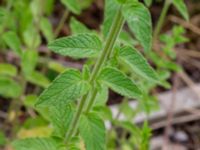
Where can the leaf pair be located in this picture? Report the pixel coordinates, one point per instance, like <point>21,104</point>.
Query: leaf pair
<point>119,82</point>
<point>137,17</point>
<point>70,85</point>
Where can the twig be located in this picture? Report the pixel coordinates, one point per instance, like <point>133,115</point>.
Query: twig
<point>189,82</point>
<point>177,120</point>
<point>170,114</point>
<point>188,52</point>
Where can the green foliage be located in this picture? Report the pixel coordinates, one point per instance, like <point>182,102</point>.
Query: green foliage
<point>181,7</point>
<point>138,63</point>
<point>119,82</point>
<point>126,39</point>
<point>48,6</point>
<point>139,21</point>
<point>172,40</point>
<point>76,144</point>
<point>66,88</point>
<point>38,78</point>
<point>92,131</point>
<point>9,88</point>
<point>111,7</point>
<point>8,69</point>
<point>77,27</point>
<point>122,1</point>
<point>148,2</point>
<point>102,96</point>
<point>112,63</point>
<point>61,116</point>
<point>2,138</point>
<point>13,41</point>
<point>77,46</point>
<point>46,29</point>
<point>31,37</point>
<point>72,6</point>
<point>29,61</point>
<point>145,134</point>
<point>36,144</point>
<point>2,15</point>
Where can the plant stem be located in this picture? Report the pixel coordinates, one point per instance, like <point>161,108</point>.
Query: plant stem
<point>161,20</point>
<point>110,48</point>
<point>14,107</point>
<point>61,23</point>
<point>113,34</point>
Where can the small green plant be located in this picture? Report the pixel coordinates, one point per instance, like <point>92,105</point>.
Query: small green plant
<point>71,86</point>
<point>74,103</point>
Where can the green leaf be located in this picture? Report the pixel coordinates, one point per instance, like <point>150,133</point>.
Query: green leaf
<point>72,5</point>
<point>61,116</point>
<point>128,111</point>
<point>138,63</point>
<point>38,78</point>
<point>102,96</point>
<point>76,143</point>
<point>148,2</point>
<point>30,100</point>
<point>56,66</point>
<point>119,83</point>
<point>29,61</point>
<point>103,111</point>
<point>67,87</point>
<point>36,8</point>
<point>36,122</point>
<point>46,29</point>
<point>31,37</point>
<point>146,135</point>
<point>2,15</point>
<point>121,1</point>
<point>77,46</point>
<point>2,138</point>
<point>126,39</point>
<point>86,72</point>
<point>84,4</point>
<point>36,144</point>
<point>8,69</point>
<point>9,88</point>
<point>77,27</point>
<point>12,40</point>
<point>49,6</point>
<point>111,7</point>
<point>92,130</point>
<point>181,7</point>
<point>139,21</point>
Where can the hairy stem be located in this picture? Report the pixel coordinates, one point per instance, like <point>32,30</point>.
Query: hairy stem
<point>113,34</point>
<point>107,56</point>
<point>161,20</point>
